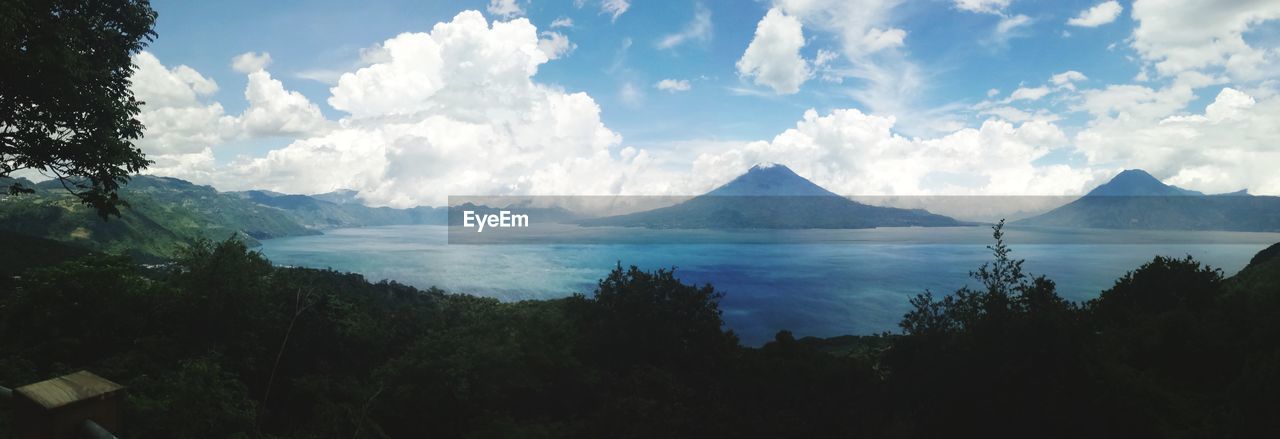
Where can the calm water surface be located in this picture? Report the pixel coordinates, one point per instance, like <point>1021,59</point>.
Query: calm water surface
<point>819,282</point>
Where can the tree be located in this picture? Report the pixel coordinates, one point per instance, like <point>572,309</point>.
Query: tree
<point>65,104</point>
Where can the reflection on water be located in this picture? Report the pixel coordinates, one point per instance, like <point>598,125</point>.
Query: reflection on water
<point>814,282</point>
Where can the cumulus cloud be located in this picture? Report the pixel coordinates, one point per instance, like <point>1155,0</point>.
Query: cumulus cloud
<point>453,111</point>
<point>250,62</point>
<point>871,44</point>
<point>698,30</point>
<point>773,57</point>
<point>854,153</point>
<point>183,124</point>
<point>1227,147</point>
<point>1180,36</point>
<point>1098,15</point>
<point>177,113</point>
<point>274,111</point>
<point>673,85</point>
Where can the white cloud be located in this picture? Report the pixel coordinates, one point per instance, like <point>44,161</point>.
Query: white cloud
<point>194,166</point>
<point>274,111</point>
<point>773,57</point>
<point>991,93</point>
<point>562,22</point>
<point>491,66</point>
<point>183,125</point>
<point>1028,94</point>
<point>1134,102</point>
<point>877,39</point>
<point>698,30</point>
<point>863,25</point>
<point>983,6</point>
<point>1009,113</point>
<point>1098,15</point>
<point>176,112</point>
<point>505,8</point>
<point>162,87</point>
<point>853,153</point>
<point>1227,147</point>
<point>452,111</point>
<point>365,57</point>
<point>1192,35</point>
<point>555,45</point>
<point>673,85</point>
<point>1007,26</point>
<point>1068,79</point>
<point>886,80</point>
<point>250,62</point>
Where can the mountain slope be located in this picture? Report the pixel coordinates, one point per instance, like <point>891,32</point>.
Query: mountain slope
<point>1134,199</point>
<point>770,180</point>
<point>1138,183</point>
<point>773,197</point>
<point>341,209</point>
<point>164,214</point>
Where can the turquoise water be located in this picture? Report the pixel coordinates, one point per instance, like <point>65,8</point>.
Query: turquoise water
<point>818,282</point>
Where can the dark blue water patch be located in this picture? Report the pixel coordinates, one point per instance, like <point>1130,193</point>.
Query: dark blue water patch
<point>810,284</point>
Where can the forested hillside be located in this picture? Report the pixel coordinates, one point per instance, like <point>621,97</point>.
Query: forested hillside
<point>162,215</point>
<point>223,344</point>
<point>165,214</point>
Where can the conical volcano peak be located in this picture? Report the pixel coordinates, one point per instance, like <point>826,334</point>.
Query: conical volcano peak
<point>1138,183</point>
<point>770,179</point>
<point>763,166</point>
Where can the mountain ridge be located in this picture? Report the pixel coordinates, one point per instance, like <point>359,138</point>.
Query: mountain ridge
<point>772,197</point>
<point>1134,199</point>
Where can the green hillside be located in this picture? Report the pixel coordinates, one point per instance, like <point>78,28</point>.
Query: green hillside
<point>223,344</point>
<point>164,214</point>
<point>327,212</point>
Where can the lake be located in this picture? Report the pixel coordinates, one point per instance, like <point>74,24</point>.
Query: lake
<point>812,282</point>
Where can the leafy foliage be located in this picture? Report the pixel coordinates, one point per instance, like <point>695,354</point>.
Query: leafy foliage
<point>164,214</point>
<point>65,102</point>
<point>222,344</point>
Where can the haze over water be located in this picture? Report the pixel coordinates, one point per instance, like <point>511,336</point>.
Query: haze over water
<point>813,282</point>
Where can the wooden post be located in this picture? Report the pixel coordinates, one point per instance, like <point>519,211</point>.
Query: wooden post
<point>59,408</point>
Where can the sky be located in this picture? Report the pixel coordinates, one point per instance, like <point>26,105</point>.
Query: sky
<point>409,102</point>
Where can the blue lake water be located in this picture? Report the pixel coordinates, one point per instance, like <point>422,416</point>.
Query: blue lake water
<point>812,282</point>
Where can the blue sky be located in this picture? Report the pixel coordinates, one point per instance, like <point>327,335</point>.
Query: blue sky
<point>328,35</point>
<point>943,74</point>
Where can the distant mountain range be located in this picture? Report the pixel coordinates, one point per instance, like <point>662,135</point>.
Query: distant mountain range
<point>340,209</point>
<point>538,215</point>
<point>773,197</point>
<point>1134,199</point>
<point>166,213</point>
